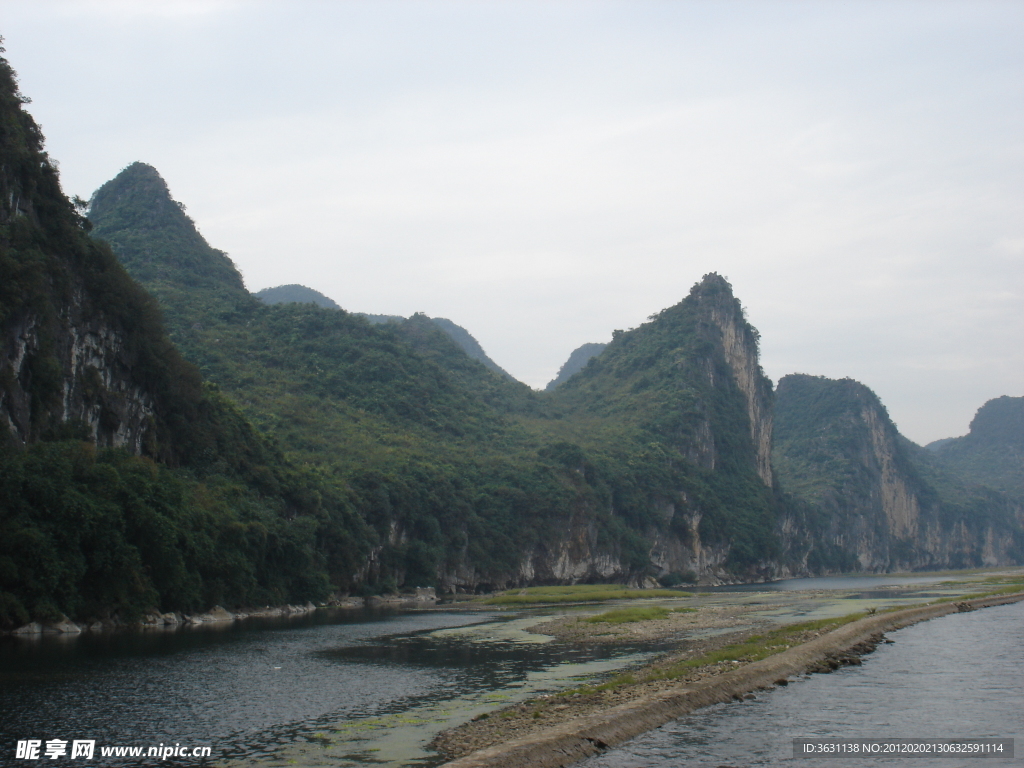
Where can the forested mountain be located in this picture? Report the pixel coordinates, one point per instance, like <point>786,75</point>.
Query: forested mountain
<point>663,445</point>
<point>992,453</point>
<point>654,459</point>
<point>577,360</point>
<point>456,333</point>
<point>125,484</point>
<point>863,497</point>
<point>256,453</point>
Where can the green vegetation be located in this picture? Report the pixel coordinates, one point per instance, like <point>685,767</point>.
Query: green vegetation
<point>629,615</point>
<point>578,593</point>
<point>756,647</point>
<point>295,294</point>
<point>576,362</point>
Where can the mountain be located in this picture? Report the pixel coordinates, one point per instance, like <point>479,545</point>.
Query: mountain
<point>579,358</point>
<point>992,453</point>
<point>126,484</point>
<point>860,496</point>
<point>653,462</point>
<point>295,294</point>
<point>655,459</point>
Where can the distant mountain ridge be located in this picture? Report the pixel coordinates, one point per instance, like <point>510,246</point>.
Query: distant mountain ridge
<point>576,362</point>
<point>300,294</point>
<point>992,452</point>
<point>322,453</point>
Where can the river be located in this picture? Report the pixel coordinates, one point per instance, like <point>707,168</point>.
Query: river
<point>372,687</point>
<point>957,676</point>
<point>339,687</point>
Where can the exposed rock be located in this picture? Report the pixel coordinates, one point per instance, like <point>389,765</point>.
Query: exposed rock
<point>32,628</point>
<point>216,614</point>
<point>63,626</point>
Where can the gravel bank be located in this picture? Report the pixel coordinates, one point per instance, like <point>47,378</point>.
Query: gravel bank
<point>558,734</point>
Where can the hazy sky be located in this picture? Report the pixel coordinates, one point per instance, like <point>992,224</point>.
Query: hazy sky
<point>545,172</point>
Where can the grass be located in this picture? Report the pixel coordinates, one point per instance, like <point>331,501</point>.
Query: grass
<point>578,593</point>
<point>628,615</point>
<point>637,613</point>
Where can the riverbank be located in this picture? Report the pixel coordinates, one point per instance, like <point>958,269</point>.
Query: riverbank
<point>559,730</point>
<point>421,597</point>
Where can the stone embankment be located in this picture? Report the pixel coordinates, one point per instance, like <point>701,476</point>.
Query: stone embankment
<point>581,737</point>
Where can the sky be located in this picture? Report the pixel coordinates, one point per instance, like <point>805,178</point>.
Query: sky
<point>543,173</point>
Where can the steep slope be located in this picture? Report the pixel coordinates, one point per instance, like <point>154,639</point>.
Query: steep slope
<point>125,485</point>
<point>992,453</point>
<point>679,414</point>
<point>862,497</point>
<point>577,360</point>
<point>160,247</point>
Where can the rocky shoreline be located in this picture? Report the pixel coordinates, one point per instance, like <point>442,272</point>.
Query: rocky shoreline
<point>172,620</point>
<point>560,730</point>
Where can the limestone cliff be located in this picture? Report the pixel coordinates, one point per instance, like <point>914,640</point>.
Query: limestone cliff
<point>697,409</point>
<point>80,344</point>
<point>75,371</point>
<point>739,345</point>
<point>862,497</point>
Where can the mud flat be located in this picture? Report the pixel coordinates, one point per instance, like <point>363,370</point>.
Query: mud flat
<point>559,731</point>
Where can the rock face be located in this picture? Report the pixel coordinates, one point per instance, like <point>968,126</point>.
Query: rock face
<point>87,355</point>
<point>691,381</point>
<point>67,363</point>
<point>739,345</point>
<point>862,497</point>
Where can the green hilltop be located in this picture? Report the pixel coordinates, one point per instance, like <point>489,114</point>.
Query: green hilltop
<point>300,294</point>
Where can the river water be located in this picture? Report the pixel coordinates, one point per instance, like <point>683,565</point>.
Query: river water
<point>959,676</point>
<point>363,687</point>
<point>338,687</point>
